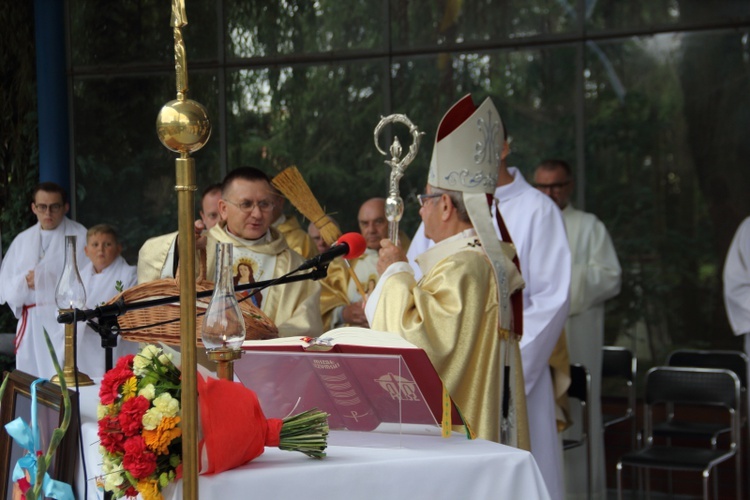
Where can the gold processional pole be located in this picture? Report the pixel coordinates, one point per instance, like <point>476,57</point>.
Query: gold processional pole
<point>394,205</point>
<point>183,127</point>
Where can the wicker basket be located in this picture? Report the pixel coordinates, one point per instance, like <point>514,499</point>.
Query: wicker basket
<point>161,323</point>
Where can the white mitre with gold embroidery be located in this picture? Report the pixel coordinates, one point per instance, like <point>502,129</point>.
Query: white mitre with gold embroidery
<point>466,158</point>
<point>468,143</point>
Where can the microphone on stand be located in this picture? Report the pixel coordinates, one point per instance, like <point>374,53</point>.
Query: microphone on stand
<point>103,311</point>
<point>349,246</point>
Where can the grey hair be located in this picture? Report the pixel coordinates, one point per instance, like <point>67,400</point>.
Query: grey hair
<point>458,202</point>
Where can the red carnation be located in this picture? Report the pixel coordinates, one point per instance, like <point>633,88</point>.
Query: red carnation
<point>110,434</point>
<point>138,460</point>
<point>131,414</point>
<point>110,388</point>
<point>125,362</point>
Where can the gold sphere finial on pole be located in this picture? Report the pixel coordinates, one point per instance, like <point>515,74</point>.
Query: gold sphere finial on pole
<point>182,126</point>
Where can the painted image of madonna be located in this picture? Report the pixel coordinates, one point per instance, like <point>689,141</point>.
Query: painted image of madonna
<point>244,276</point>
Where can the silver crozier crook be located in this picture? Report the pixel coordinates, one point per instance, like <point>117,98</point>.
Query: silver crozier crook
<point>394,205</point>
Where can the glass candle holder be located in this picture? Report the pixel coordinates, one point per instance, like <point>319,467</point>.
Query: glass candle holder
<point>70,293</point>
<point>223,325</point>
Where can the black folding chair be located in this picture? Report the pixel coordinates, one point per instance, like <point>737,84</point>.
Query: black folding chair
<point>677,427</point>
<point>673,386</point>
<point>580,390</point>
<point>619,364</point>
<point>735,361</point>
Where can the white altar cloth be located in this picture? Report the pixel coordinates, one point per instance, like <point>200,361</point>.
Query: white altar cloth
<point>362,465</point>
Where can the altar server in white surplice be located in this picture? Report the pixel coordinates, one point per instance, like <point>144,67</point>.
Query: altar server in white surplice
<point>29,275</point>
<point>595,278</point>
<point>536,228</point>
<point>737,285</point>
<point>104,275</point>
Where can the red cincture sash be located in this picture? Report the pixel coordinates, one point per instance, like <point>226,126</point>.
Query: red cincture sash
<point>22,330</point>
<point>516,299</point>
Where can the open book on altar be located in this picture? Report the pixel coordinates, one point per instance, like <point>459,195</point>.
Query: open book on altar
<point>362,378</point>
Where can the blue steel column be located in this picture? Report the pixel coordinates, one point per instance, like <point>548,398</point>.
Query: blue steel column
<point>52,94</point>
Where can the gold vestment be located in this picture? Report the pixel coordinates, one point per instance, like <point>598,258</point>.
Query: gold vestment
<point>338,288</point>
<point>296,237</point>
<point>152,257</point>
<point>452,313</point>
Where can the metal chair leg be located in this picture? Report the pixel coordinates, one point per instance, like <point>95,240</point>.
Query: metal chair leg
<point>638,483</point>
<point>670,483</point>
<point>738,468</point>
<point>588,468</point>
<point>738,474</point>
<point>716,483</point>
<point>705,485</point>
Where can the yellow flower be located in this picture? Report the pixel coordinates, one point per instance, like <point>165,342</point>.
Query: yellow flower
<point>143,360</point>
<point>152,418</point>
<point>129,388</point>
<point>103,410</point>
<point>158,440</point>
<point>112,473</point>
<point>148,392</point>
<point>166,404</point>
<point>113,481</point>
<point>149,489</point>
<point>150,351</point>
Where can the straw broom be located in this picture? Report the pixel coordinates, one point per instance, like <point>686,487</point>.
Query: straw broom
<point>290,182</point>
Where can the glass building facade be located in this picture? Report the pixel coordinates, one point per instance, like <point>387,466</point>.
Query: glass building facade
<point>648,99</point>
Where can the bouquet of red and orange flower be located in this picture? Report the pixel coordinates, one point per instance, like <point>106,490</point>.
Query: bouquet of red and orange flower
<point>141,438</point>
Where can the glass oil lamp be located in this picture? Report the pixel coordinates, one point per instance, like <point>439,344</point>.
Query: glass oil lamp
<point>223,330</point>
<point>69,295</point>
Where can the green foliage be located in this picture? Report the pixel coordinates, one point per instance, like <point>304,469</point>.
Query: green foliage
<point>46,459</point>
<point>3,386</point>
<point>19,148</point>
<point>646,182</point>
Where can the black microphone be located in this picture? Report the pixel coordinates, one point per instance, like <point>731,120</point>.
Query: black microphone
<point>116,309</point>
<point>349,245</point>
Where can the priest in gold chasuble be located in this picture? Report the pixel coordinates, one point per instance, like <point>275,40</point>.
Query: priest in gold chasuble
<point>293,307</point>
<point>259,253</point>
<point>460,311</point>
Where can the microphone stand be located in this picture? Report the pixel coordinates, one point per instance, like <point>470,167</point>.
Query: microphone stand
<point>108,327</point>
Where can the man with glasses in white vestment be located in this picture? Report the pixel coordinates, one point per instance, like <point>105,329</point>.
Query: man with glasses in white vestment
<point>29,275</point>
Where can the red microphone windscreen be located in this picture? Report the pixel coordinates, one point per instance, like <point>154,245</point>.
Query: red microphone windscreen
<point>356,243</point>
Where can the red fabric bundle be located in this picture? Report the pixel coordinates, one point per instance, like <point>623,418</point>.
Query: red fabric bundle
<point>235,430</point>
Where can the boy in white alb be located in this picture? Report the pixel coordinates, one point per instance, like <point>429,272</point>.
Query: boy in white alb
<point>104,276</point>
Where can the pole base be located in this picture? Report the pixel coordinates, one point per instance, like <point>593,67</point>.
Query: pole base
<point>70,379</point>
<point>224,359</point>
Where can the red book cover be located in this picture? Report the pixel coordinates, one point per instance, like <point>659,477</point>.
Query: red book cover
<point>351,373</point>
